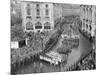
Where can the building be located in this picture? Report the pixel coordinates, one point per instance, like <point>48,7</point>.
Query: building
<point>48,59</point>
<point>14,45</point>
<point>88,18</point>
<point>93,31</point>
<point>37,16</point>
<point>19,44</point>
<point>57,11</point>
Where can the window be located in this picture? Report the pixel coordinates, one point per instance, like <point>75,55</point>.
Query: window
<point>47,25</point>
<point>28,9</point>
<point>37,6</point>
<point>91,10</point>
<point>47,12</point>
<point>87,23</point>
<point>83,23</point>
<point>29,26</point>
<point>38,25</point>
<point>87,26</point>
<point>22,43</point>
<point>37,11</point>
<point>87,20</point>
<point>46,5</point>
<point>90,28</point>
<point>28,17</point>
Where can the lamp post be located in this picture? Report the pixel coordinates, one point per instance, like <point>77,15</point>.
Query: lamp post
<point>42,39</point>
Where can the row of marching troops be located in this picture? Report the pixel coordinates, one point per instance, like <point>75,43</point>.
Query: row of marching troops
<point>88,19</point>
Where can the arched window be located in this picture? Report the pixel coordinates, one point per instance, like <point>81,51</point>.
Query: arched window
<point>38,25</point>
<point>47,25</point>
<point>28,17</point>
<point>29,26</point>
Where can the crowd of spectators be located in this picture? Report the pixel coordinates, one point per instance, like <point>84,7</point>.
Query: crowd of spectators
<point>21,54</point>
<point>88,63</point>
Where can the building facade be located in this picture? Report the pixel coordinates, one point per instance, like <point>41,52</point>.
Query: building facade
<point>88,18</point>
<point>57,11</point>
<point>37,16</point>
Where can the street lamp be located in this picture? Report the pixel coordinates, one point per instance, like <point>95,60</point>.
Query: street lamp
<point>42,39</point>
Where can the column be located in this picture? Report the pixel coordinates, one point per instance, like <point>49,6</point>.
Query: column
<point>81,15</point>
<point>93,20</point>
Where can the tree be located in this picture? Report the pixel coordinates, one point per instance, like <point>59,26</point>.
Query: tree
<point>16,17</point>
